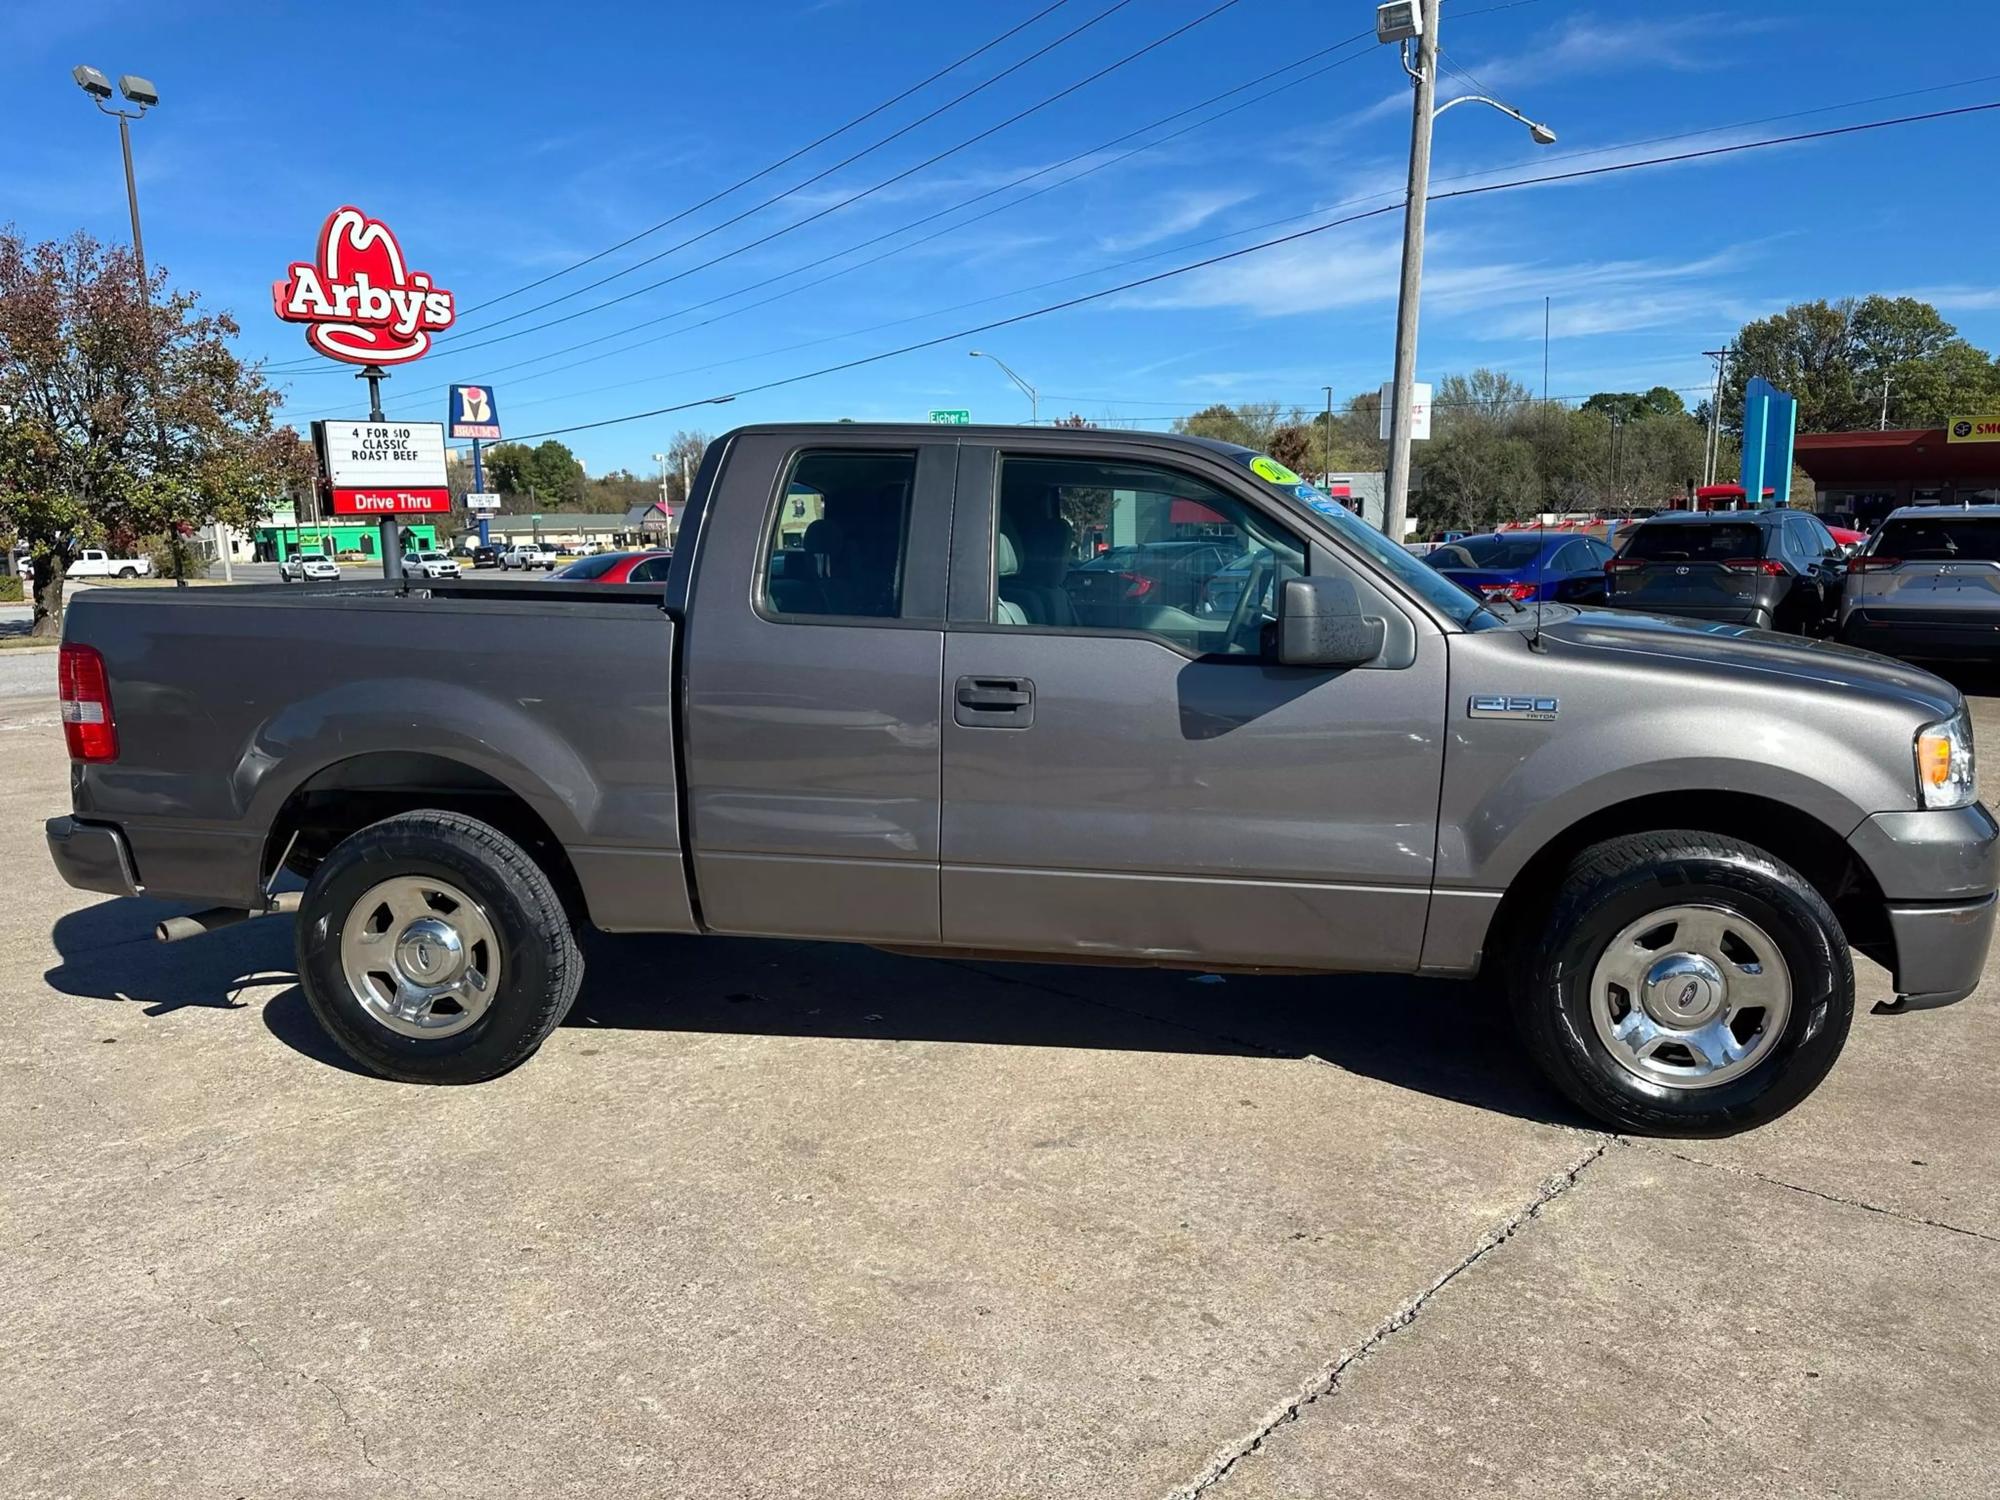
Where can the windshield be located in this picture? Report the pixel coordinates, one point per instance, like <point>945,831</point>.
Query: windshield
<point>1426,582</point>
<point>1679,541</point>
<point>1487,552</point>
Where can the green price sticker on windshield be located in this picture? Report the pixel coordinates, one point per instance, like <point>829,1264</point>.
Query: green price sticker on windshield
<point>1271,469</point>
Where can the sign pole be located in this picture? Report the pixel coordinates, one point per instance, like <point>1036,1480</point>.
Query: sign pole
<point>479,488</point>
<point>391,536</point>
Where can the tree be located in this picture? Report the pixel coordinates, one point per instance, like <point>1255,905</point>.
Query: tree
<point>1834,357</point>
<point>684,455</point>
<point>124,412</point>
<point>1631,406</point>
<point>547,473</point>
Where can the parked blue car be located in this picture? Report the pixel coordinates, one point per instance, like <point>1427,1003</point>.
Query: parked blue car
<point>1526,565</point>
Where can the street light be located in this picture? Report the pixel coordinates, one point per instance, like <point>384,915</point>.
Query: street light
<point>141,92</point>
<point>1402,21</point>
<point>1034,396</point>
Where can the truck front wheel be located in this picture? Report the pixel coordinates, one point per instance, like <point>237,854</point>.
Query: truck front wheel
<point>433,949</point>
<point>1686,984</point>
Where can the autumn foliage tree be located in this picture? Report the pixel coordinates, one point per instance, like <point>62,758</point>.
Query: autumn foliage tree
<point>123,412</point>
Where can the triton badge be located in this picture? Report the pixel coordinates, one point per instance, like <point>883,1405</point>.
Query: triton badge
<point>1498,706</point>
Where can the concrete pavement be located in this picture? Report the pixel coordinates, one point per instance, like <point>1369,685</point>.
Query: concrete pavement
<point>777,1219</point>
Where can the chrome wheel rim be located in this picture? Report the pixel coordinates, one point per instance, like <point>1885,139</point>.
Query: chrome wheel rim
<point>420,956</point>
<point>1690,996</point>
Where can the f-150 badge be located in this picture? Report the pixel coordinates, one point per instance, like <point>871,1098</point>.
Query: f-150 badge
<point>1499,706</point>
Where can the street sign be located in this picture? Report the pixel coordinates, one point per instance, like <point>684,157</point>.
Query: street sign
<point>482,502</point>
<point>1420,411</point>
<point>383,468</point>
<point>474,413</point>
<point>954,416</point>
<point>359,300</point>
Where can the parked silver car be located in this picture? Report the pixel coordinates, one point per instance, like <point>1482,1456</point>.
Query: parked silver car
<point>1928,585</point>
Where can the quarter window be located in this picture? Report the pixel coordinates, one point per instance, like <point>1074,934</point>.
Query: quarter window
<point>1103,545</point>
<point>841,537</point>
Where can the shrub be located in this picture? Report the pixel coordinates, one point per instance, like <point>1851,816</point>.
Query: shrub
<point>10,589</point>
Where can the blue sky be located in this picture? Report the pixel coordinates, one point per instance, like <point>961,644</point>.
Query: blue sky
<point>506,141</point>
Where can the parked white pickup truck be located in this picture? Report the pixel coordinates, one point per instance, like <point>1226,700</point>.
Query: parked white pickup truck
<point>95,562</point>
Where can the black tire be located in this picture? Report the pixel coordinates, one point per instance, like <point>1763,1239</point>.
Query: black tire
<point>1615,883</point>
<point>540,971</point>
<point>128,572</point>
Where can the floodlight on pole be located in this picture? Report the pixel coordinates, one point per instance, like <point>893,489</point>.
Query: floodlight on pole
<point>1421,26</point>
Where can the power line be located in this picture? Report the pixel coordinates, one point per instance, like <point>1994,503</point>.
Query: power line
<point>783,161</point>
<point>814,217</point>
<point>943,213</point>
<point>796,187</point>
<point>1092,271</point>
<point>1470,192</point>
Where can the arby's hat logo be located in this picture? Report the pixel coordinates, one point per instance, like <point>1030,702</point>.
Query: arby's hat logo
<point>360,300</point>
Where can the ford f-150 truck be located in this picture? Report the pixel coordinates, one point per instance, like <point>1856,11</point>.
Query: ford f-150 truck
<point>890,695</point>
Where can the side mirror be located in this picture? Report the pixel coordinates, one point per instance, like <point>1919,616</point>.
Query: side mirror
<point>1320,624</point>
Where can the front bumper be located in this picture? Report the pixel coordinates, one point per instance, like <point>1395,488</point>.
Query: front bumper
<point>1937,870</point>
<point>92,857</point>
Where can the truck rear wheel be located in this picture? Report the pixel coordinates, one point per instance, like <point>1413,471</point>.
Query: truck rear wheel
<point>1686,984</point>
<point>433,949</point>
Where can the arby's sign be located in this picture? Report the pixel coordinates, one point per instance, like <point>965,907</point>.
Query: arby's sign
<point>359,299</point>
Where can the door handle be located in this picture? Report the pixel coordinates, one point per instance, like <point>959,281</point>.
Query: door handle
<point>994,702</point>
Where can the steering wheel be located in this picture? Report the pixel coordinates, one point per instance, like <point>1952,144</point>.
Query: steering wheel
<point>1246,622</point>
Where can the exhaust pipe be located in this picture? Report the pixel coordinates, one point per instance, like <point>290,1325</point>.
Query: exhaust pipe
<point>178,929</point>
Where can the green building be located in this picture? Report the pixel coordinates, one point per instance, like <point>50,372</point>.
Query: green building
<point>279,539</point>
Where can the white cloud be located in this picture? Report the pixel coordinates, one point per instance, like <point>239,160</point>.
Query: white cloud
<point>1176,213</point>
<point>1957,298</point>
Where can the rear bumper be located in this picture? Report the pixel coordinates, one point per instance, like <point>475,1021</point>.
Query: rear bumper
<point>92,857</point>
<point>1937,871</point>
<point>1731,614</point>
<point>1929,637</point>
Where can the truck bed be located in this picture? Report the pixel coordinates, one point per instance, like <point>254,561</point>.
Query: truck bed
<point>236,707</point>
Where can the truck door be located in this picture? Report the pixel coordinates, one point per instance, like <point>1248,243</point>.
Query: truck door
<point>1127,771</point>
<point>813,652</point>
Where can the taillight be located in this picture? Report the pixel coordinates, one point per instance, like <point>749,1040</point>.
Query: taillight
<point>1514,591</point>
<point>1625,564</point>
<point>1137,585</point>
<point>1874,564</point>
<point>88,725</point>
<point>1770,567</point>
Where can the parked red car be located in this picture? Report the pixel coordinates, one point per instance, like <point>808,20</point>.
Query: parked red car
<point>616,567</point>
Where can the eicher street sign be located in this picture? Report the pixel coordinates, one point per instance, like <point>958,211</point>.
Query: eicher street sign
<point>383,468</point>
<point>474,412</point>
<point>359,300</point>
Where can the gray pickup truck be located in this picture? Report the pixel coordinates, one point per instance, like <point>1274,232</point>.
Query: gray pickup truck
<point>1072,696</point>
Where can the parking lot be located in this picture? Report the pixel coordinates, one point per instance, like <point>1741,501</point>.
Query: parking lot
<point>781,1219</point>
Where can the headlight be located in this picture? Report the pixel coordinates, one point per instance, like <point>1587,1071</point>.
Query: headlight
<point>1944,763</point>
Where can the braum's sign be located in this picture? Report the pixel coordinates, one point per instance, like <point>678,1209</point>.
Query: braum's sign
<point>383,468</point>
<point>360,301</point>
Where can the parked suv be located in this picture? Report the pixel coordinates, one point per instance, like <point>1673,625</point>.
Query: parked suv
<point>1929,584</point>
<point>430,565</point>
<point>1774,569</point>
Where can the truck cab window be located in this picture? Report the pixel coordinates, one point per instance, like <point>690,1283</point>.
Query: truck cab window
<point>841,535</point>
<point>1107,545</point>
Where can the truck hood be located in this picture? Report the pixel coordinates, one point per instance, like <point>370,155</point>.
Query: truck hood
<point>1827,664</point>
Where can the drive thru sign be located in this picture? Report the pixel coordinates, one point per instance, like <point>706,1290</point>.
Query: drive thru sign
<point>383,468</point>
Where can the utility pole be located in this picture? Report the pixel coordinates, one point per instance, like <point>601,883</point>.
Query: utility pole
<point>1884,425</point>
<point>1396,507</point>
<point>1403,23</point>
<point>1713,451</point>
<point>1326,446</point>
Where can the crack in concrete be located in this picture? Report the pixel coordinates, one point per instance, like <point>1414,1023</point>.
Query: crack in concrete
<point>1810,1192</point>
<point>1327,1381</point>
<point>265,1363</point>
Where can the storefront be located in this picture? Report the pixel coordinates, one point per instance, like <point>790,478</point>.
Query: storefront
<point>276,542</point>
<point>1865,475</point>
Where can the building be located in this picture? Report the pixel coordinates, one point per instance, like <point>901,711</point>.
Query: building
<point>1361,493</point>
<point>1868,474</point>
<point>572,531</point>
<point>349,538</point>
